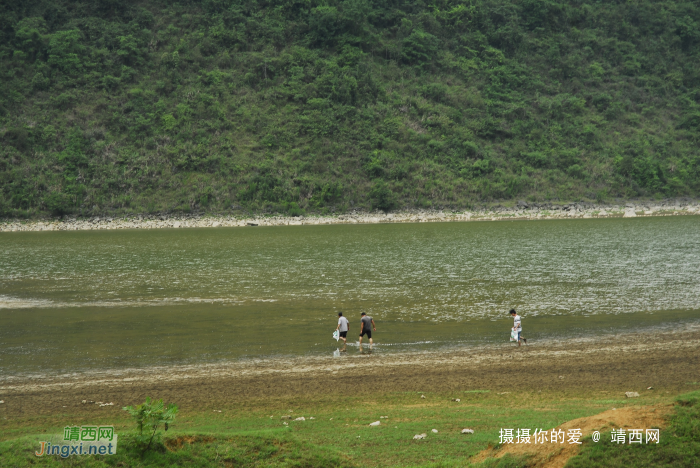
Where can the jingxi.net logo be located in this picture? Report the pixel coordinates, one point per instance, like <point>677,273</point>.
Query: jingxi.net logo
<point>81,440</point>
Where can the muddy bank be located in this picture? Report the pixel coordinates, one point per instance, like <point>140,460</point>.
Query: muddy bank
<point>666,361</point>
<point>521,210</point>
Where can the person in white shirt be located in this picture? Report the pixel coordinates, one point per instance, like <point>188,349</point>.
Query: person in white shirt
<point>343,327</point>
<point>517,326</point>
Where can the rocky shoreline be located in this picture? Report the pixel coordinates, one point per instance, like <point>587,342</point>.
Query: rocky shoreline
<point>521,211</point>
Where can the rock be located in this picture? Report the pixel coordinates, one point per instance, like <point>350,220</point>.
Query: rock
<point>631,394</point>
<point>422,396</point>
<point>375,423</point>
<point>2,401</point>
<point>434,431</point>
<point>629,213</point>
<point>650,388</point>
<point>419,436</point>
<point>252,224</point>
<point>84,401</point>
<point>216,225</point>
<point>467,431</point>
<point>286,417</point>
<point>286,423</point>
<point>457,400</point>
<point>300,418</point>
<point>312,417</point>
<point>383,417</point>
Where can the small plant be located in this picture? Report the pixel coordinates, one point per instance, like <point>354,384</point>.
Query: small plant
<point>149,417</point>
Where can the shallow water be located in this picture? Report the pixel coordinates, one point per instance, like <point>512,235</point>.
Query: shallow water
<point>72,301</point>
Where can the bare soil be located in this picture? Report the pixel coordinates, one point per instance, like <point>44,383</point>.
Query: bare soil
<point>667,361</point>
<point>550,455</point>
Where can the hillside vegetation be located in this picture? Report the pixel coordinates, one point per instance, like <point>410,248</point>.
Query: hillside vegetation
<point>326,106</point>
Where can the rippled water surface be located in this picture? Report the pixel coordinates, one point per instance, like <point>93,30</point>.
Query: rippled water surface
<point>79,300</point>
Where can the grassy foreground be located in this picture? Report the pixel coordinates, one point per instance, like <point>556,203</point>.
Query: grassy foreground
<point>340,436</point>
<point>679,444</point>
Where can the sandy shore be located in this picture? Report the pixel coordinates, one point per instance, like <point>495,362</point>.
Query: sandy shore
<point>522,210</point>
<point>666,361</point>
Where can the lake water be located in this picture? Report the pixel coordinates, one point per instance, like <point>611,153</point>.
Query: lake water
<point>72,301</point>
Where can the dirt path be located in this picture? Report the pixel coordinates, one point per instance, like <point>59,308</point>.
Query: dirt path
<point>668,361</point>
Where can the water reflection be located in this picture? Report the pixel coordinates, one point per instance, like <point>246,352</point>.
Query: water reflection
<point>135,298</point>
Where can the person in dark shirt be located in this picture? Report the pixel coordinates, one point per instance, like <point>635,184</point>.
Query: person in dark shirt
<point>366,327</point>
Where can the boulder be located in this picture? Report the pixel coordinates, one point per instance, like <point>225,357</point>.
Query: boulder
<point>375,423</point>
<point>419,436</point>
<point>467,431</point>
<point>631,394</point>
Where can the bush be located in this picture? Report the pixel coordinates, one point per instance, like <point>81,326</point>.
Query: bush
<point>149,417</point>
<point>381,197</point>
<point>58,204</point>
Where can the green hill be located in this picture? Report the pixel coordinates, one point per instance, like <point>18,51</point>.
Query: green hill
<point>301,105</point>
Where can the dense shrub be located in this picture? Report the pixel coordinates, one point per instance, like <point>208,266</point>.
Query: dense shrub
<point>325,106</point>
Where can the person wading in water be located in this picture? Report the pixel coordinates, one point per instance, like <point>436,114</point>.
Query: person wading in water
<point>343,327</point>
<point>366,327</point>
<point>517,326</point>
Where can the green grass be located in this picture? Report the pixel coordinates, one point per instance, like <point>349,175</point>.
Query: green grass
<point>248,434</point>
<point>197,451</point>
<point>678,447</point>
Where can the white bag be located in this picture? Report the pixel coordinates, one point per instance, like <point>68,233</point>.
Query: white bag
<point>336,335</point>
<point>513,335</point>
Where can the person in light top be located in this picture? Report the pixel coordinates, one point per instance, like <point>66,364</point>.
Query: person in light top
<point>343,327</point>
<point>518,326</point>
